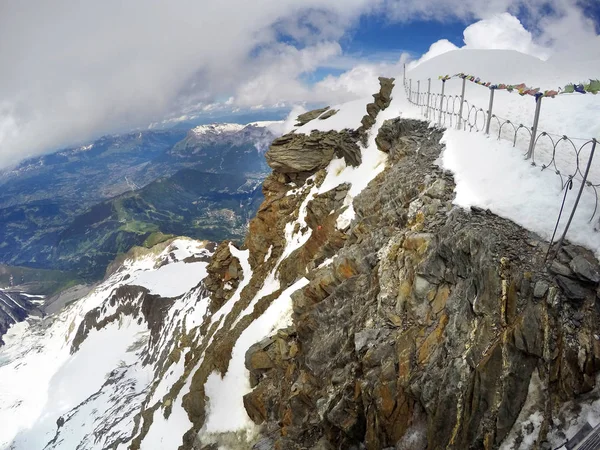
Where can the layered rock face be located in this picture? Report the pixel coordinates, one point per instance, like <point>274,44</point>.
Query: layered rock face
<point>364,310</point>
<point>299,153</point>
<point>432,326</point>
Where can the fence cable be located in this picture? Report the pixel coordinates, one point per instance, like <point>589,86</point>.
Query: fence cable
<point>568,186</point>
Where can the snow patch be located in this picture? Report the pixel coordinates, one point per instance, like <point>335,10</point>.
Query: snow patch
<point>344,219</point>
<point>41,381</point>
<point>225,411</point>
<point>492,174</point>
<point>173,279</point>
<point>268,255</point>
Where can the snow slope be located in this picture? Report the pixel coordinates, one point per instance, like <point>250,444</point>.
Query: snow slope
<point>493,174</point>
<point>142,339</point>
<point>97,389</point>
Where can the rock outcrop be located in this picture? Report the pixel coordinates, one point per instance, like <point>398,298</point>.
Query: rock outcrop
<point>224,275</point>
<point>301,153</point>
<point>430,324</point>
<point>385,319</point>
<point>303,119</point>
<point>381,101</point>
<point>15,306</point>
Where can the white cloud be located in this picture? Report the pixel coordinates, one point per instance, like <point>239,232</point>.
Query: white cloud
<point>360,81</point>
<point>503,31</point>
<point>279,69</point>
<point>569,33</point>
<point>436,49</point>
<point>72,71</point>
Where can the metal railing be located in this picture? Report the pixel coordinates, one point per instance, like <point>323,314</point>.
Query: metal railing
<point>544,149</point>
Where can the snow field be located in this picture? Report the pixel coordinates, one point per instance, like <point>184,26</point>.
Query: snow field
<point>491,173</point>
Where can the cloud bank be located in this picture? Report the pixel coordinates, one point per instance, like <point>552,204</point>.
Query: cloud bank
<point>73,71</point>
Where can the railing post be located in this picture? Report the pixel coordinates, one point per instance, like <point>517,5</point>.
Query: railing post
<point>462,100</point>
<point>418,91</point>
<point>489,116</point>
<point>536,119</point>
<point>404,75</point>
<point>410,90</point>
<point>428,97</point>
<point>442,103</point>
<point>587,171</point>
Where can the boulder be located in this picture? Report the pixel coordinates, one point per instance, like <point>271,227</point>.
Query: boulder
<point>571,288</point>
<point>328,114</point>
<point>540,289</point>
<point>303,119</point>
<point>585,270</point>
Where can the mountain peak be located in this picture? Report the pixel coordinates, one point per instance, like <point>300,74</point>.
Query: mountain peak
<point>217,128</point>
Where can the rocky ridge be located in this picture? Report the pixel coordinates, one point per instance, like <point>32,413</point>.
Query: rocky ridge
<point>422,325</point>
<point>414,325</point>
<point>430,327</point>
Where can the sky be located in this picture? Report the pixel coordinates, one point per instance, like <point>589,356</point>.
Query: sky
<point>74,71</point>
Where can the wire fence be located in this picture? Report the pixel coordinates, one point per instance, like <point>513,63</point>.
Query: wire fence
<point>570,158</point>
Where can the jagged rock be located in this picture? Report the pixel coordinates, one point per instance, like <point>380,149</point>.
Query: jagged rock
<point>367,122</point>
<point>572,289</point>
<point>344,415</point>
<point>257,357</point>
<point>437,189</point>
<point>364,337</point>
<point>297,153</point>
<point>387,85</point>
<point>540,289</point>
<point>560,269</point>
<point>255,403</point>
<point>224,276</point>
<point>323,444</point>
<point>424,307</point>
<point>382,101</point>
<point>264,444</point>
<point>260,360</point>
<point>303,119</point>
<point>372,110</point>
<point>394,135</point>
<point>528,334</point>
<point>585,270</point>
<point>328,114</point>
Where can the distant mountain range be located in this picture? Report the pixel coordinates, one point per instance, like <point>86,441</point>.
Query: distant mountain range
<point>76,209</point>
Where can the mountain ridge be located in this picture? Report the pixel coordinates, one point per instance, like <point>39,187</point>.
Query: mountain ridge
<point>38,209</point>
<point>364,310</point>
